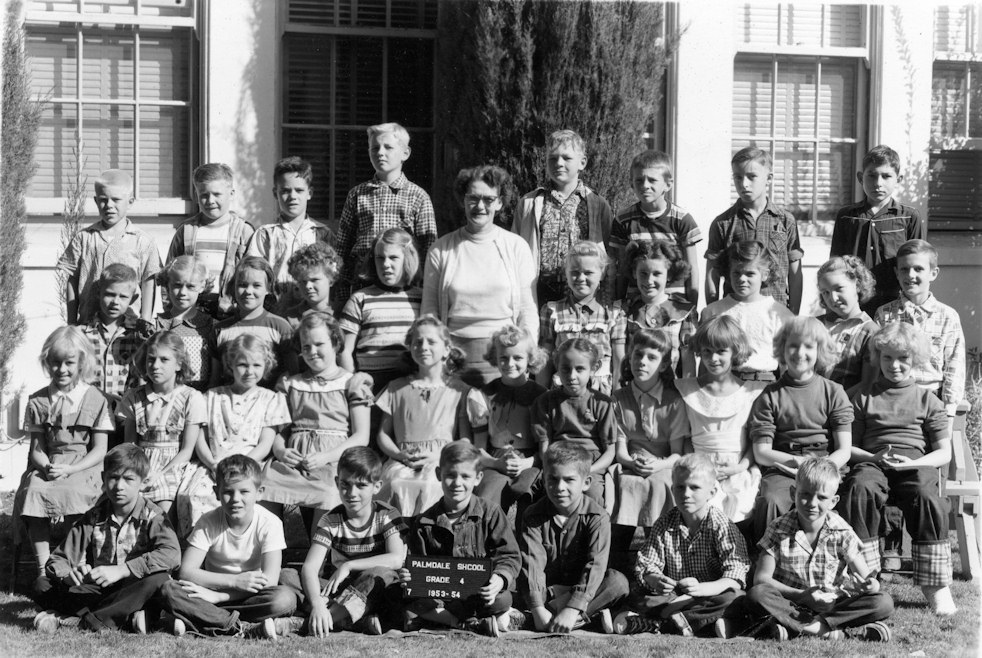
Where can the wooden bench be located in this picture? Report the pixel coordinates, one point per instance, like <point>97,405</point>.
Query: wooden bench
<point>964,492</point>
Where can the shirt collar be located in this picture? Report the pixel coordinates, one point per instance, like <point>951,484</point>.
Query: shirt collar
<point>193,318</point>
<point>892,208</point>
<point>97,227</point>
<point>397,184</point>
<point>439,516</point>
<point>153,396</point>
<point>929,306</point>
<point>74,396</point>
<point>593,305</point>
<point>655,393</point>
<point>769,208</point>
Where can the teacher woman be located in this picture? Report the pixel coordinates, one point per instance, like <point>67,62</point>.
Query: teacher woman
<point>479,278</point>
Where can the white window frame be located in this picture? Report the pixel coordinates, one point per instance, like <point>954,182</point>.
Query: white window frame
<point>74,16</point>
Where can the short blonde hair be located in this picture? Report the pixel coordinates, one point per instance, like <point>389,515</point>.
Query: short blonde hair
<point>510,336</point>
<point>186,264</point>
<point>566,138</point>
<point>115,178</point>
<point>805,327</point>
<point>901,337</point>
<point>588,249</point>
<point>694,463</point>
<point>391,128</point>
<point>818,473</point>
<point>64,340</point>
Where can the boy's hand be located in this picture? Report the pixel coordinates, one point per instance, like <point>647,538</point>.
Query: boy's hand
<point>492,589</point>
<point>320,621</point>
<point>818,600</point>
<point>108,575</point>
<point>403,574</point>
<point>250,581</point>
<point>334,582</point>
<point>516,465</point>
<point>563,622</point>
<point>196,591</point>
<point>693,587</point>
<point>77,575</point>
<point>291,457</point>
<point>659,583</point>
<point>871,585</point>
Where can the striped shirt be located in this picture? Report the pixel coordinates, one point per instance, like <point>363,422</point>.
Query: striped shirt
<point>210,246</point>
<point>346,542</point>
<point>271,329</point>
<point>380,317</point>
<point>673,225</point>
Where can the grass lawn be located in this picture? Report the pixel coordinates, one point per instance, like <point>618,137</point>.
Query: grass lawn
<point>915,630</point>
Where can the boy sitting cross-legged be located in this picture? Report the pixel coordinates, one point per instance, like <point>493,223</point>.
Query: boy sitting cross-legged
<point>463,525</point>
<point>364,538</point>
<point>115,557</point>
<point>232,563</point>
<point>811,576</point>
<point>694,564</point>
<point>565,543</point>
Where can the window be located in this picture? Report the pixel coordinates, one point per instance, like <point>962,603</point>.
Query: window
<point>350,64</point>
<point>117,77</point>
<point>956,120</point>
<point>798,91</point>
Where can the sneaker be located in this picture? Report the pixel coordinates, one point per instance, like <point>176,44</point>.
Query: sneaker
<point>138,622</point>
<point>679,621</point>
<point>46,622</point>
<point>724,629</point>
<point>779,633</point>
<point>514,620</point>
<point>487,626</point>
<point>631,623</point>
<point>834,635</point>
<point>891,561</point>
<point>876,631</point>
<point>284,626</point>
<point>265,629</point>
<point>606,621</point>
<point>178,627</point>
<point>411,622</point>
<point>368,625</point>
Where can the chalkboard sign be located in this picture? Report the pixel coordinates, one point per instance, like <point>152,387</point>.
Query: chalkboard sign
<point>446,577</point>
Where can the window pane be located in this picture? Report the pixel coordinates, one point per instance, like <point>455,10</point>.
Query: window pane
<point>948,100</point>
<point>164,160</point>
<point>414,14</point>
<point>308,79</point>
<point>836,166</point>
<point>167,8</point>
<point>54,157</point>
<point>370,13</point>
<point>107,66</point>
<point>951,29</point>
<point>808,26</point>
<point>956,188</point>
<point>794,184</point>
<point>410,88</point>
<point>53,64</point>
<point>837,100</point>
<point>351,164</point>
<point>165,66</point>
<point>975,91</point>
<point>359,81</point>
<point>110,7</point>
<point>752,92</point>
<point>107,138</point>
<point>311,12</point>
<point>795,96</point>
<point>314,146</point>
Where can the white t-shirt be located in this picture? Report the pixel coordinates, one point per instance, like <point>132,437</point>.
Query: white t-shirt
<point>210,244</point>
<point>230,553</point>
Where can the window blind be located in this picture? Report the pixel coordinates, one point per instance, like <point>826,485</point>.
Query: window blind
<point>956,190</point>
<point>806,26</point>
<point>405,14</point>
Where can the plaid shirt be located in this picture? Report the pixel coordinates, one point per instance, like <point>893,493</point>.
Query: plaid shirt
<point>114,354</point>
<point>277,243</point>
<point>564,222</point>
<point>715,551</point>
<point>945,372</point>
<point>565,319</point>
<point>850,340</point>
<point>373,207</point>
<point>775,228</point>
<point>797,563</point>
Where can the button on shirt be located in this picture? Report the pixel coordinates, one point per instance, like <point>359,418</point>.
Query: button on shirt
<point>798,564</point>
<point>564,222</point>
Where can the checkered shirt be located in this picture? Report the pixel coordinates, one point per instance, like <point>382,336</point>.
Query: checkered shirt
<point>604,325</point>
<point>797,563</point>
<point>850,340</point>
<point>775,228</point>
<point>715,551</point>
<point>564,222</point>
<point>373,207</point>
<point>114,354</point>
<point>946,370</point>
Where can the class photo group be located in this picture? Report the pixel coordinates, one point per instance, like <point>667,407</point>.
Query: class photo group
<point>544,397</point>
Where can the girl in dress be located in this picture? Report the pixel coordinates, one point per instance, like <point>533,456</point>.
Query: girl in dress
<point>164,417</point>
<point>749,267</point>
<point>653,265</point>
<point>327,419</point>
<point>512,467</point>
<point>844,285</point>
<point>243,419</point>
<point>375,319</point>
<point>651,430</point>
<point>184,279</point>
<point>718,404</point>
<point>68,422</point>
<point>424,412</point>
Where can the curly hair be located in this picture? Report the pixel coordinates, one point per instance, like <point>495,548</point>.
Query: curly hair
<point>455,356</point>
<point>64,341</point>
<point>723,332</point>
<point>805,327</point>
<point>582,345</point>
<point>510,336</point>
<point>317,255</point>
<point>167,340</point>
<point>399,237</point>
<point>248,344</point>
<point>641,250</point>
<point>493,176</point>
<point>749,253</point>
<point>900,337</point>
<point>293,165</point>
<point>853,269</point>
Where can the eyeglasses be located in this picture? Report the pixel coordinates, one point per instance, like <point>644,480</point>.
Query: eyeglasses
<point>476,200</point>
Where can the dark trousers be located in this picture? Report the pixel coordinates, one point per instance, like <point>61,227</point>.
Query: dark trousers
<point>363,593</point>
<point>207,618</point>
<point>699,611</point>
<point>773,500</point>
<point>613,590</point>
<point>915,492</point>
<point>847,613</point>
<point>505,491</point>
<point>472,606</point>
<point>99,607</point>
